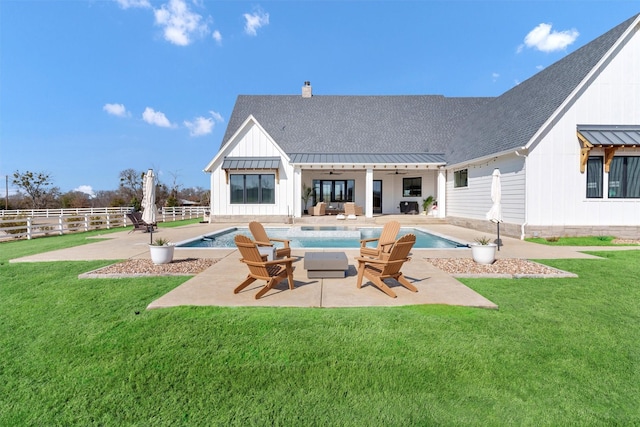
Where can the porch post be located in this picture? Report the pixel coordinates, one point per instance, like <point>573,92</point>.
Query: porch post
<point>297,192</point>
<point>368,205</point>
<point>441,212</point>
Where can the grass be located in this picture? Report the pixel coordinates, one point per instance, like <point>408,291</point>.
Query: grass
<point>86,352</point>
<point>577,241</point>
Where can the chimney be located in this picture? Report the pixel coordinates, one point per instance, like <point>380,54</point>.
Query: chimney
<point>306,90</point>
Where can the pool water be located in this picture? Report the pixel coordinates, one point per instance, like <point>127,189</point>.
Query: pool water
<point>320,237</point>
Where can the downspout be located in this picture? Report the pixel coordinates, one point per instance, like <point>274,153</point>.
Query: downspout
<point>526,212</point>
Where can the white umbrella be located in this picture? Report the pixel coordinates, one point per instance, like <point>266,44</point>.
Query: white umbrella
<point>149,210</point>
<point>495,213</point>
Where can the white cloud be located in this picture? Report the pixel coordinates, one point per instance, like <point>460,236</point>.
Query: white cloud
<point>126,4</point>
<point>217,37</point>
<point>495,76</point>
<point>116,110</point>
<point>542,38</point>
<point>179,23</point>
<point>156,118</point>
<point>86,189</point>
<point>203,125</point>
<point>255,20</point>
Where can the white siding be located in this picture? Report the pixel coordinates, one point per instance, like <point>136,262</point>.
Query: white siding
<point>556,189</point>
<point>252,142</point>
<point>474,201</point>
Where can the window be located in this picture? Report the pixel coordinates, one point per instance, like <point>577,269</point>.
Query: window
<point>594,178</point>
<point>252,188</point>
<point>411,187</point>
<point>624,177</point>
<point>333,190</point>
<point>460,178</point>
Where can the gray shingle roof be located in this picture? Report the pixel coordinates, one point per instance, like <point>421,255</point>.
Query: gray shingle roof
<point>355,124</point>
<point>511,120</point>
<point>461,128</point>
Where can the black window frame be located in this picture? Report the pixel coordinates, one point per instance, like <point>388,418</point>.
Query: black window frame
<point>412,186</point>
<point>262,189</point>
<point>348,192</point>
<point>628,179</point>
<point>595,177</point>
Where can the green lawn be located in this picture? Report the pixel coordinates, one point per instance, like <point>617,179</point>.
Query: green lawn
<point>86,352</point>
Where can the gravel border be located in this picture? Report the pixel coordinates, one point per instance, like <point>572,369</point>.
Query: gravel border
<point>508,268</point>
<point>146,268</point>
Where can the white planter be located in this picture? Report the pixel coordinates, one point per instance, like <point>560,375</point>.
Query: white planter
<point>161,254</point>
<point>484,254</point>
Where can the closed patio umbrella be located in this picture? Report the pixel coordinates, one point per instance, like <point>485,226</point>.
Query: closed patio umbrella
<point>495,213</point>
<point>149,210</point>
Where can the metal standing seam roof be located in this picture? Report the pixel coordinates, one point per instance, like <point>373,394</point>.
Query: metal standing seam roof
<point>238,163</point>
<point>612,136</point>
<point>367,158</point>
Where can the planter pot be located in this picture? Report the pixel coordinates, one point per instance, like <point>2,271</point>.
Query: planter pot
<point>161,254</point>
<point>483,254</point>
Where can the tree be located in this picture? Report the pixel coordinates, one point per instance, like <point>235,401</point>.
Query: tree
<point>38,186</point>
<point>131,186</point>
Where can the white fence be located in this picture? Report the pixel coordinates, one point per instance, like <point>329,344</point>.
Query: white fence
<point>31,223</point>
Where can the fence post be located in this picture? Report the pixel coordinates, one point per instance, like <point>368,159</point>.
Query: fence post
<point>86,222</point>
<point>29,228</point>
<point>60,225</point>
<point>108,221</point>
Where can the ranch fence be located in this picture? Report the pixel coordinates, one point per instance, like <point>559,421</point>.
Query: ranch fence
<point>32,223</point>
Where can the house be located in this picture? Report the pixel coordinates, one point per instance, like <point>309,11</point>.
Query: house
<point>566,141</point>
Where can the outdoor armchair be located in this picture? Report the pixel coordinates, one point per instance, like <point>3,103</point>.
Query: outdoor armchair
<point>377,270</point>
<point>273,272</point>
<point>262,239</point>
<point>318,209</point>
<point>351,208</point>
<point>385,241</point>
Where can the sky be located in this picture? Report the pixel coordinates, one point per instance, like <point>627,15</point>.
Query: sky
<point>91,88</point>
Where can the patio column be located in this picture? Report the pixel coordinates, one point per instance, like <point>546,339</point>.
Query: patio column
<point>297,192</point>
<point>368,205</point>
<point>442,193</point>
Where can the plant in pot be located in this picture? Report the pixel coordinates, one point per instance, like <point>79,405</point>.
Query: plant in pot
<point>161,251</point>
<point>483,251</point>
<point>426,204</point>
<point>306,195</point>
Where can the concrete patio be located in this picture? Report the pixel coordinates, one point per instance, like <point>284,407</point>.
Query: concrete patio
<point>214,286</point>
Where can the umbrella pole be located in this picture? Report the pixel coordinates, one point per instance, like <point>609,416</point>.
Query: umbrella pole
<point>151,233</point>
<point>498,235</point>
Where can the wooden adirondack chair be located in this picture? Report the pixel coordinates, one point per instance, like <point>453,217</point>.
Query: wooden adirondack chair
<point>273,272</point>
<point>377,270</point>
<point>262,239</point>
<point>385,241</point>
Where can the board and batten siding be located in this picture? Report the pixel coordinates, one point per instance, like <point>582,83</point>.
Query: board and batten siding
<point>252,142</point>
<point>474,201</point>
<point>556,189</point>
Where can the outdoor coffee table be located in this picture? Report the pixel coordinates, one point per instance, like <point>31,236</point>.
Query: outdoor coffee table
<point>322,265</point>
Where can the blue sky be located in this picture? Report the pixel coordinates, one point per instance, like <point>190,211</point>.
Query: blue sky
<point>90,88</point>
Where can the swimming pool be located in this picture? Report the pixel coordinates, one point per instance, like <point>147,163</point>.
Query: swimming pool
<point>320,237</point>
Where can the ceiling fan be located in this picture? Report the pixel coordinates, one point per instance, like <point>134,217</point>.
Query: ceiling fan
<point>396,173</point>
<point>332,173</point>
